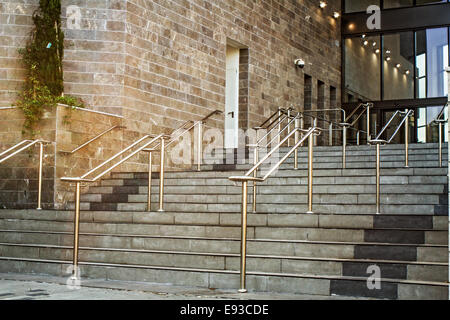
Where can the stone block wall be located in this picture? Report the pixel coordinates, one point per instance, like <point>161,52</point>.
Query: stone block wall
<point>66,129</point>
<point>159,63</point>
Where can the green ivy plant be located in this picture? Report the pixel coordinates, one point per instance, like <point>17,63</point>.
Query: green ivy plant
<point>42,58</point>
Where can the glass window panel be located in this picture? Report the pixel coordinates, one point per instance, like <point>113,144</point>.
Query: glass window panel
<point>422,125</point>
<point>397,3</point>
<point>437,60</point>
<point>398,66</point>
<point>359,5</point>
<point>362,68</point>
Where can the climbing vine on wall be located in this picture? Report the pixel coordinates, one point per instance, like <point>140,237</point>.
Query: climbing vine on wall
<point>42,58</point>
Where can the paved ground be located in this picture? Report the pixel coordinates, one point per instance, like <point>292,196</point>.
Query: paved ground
<point>40,287</point>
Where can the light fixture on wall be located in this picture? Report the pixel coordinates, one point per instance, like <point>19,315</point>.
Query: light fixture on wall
<point>377,50</point>
<point>407,72</point>
<point>388,58</point>
<point>336,15</point>
<point>374,44</point>
<point>365,42</point>
<point>322,4</point>
<point>388,51</point>
<point>398,65</point>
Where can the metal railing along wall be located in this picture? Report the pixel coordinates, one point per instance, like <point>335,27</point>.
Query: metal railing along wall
<point>440,121</point>
<point>150,146</point>
<point>251,176</point>
<point>404,116</point>
<point>92,140</point>
<point>22,146</point>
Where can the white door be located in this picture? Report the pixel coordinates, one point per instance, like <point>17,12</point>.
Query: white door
<point>232,98</point>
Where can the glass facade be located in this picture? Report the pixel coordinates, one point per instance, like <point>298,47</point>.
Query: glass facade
<point>362,5</point>
<point>404,65</point>
<point>400,66</point>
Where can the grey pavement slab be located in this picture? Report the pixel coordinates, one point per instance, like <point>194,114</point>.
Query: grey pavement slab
<point>39,287</point>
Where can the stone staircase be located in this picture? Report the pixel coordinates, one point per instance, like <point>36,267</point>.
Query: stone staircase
<point>196,242</point>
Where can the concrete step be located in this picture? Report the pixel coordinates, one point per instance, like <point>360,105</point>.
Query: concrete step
<point>398,222</point>
<point>225,279</point>
<point>231,261</point>
<point>345,236</point>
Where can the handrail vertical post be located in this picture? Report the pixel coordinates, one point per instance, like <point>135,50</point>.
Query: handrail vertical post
<point>149,194</point>
<point>161,177</point>
<point>279,125</point>
<point>358,133</point>
<point>255,173</point>
<point>76,231</point>
<point>407,139</point>
<point>378,179</point>
<point>302,125</point>
<point>41,160</point>
<point>314,136</point>
<point>289,126</point>
<point>310,171</point>
<point>200,146</point>
<point>297,134</point>
<point>368,122</point>
<point>243,237</point>
<point>331,134</point>
<point>440,144</point>
<point>344,147</point>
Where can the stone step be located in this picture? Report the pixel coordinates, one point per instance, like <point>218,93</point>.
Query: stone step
<point>268,189</point>
<point>225,279</point>
<point>330,208</point>
<point>335,221</point>
<point>430,240</point>
<point>298,237</point>
<point>230,261</point>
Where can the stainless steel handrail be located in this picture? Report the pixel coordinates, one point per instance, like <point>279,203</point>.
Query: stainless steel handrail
<point>83,178</point>
<point>22,146</point>
<point>378,142</point>
<point>440,121</point>
<point>176,136</point>
<point>251,176</point>
<point>92,140</point>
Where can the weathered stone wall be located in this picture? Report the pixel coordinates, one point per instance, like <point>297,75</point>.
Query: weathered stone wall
<point>67,129</point>
<point>164,61</point>
<point>159,63</point>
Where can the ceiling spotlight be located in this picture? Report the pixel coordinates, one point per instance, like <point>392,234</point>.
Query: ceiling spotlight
<point>323,4</point>
<point>398,65</point>
<point>336,14</point>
